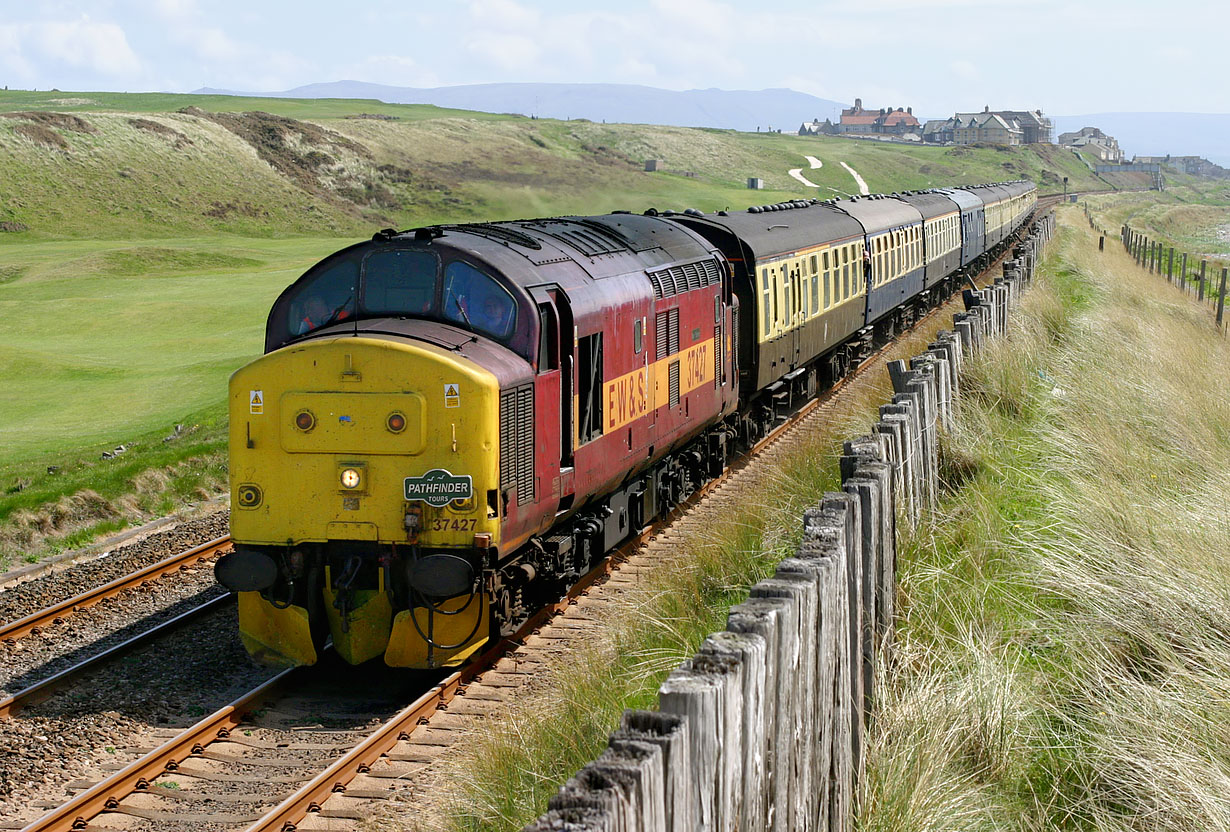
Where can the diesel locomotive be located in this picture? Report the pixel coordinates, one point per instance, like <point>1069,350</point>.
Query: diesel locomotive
<point>452,424</point>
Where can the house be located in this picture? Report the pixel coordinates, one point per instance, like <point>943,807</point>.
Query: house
<point>986,127</point>
<point>937,131</point>
<point>858,121</point>
<point>898,122</point>
<point>1035,128</point>
<point>1009,127</point>
<point>1093,141</point>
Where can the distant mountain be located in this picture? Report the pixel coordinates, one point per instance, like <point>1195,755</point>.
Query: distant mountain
<point>1158,134</point>
<point>737,109</point>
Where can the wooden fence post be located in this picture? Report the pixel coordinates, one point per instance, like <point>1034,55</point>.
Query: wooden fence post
<point>1221,297</point>
<point>1170,267</point>
<point>1183,271</point>
<point>1200,294</point>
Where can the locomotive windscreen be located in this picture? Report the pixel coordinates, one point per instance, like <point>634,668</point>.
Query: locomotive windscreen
<point>392,282</point>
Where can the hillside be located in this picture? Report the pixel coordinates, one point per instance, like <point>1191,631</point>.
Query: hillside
<point>107,165</point>
<point>747,110</point>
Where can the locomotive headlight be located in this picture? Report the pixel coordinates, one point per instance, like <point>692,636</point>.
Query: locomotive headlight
<point>351,478</point>
<point>305,421</point>
<point>396,422</point>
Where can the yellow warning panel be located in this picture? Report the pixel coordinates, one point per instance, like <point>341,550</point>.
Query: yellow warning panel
<point>451,634</point>
<point>364,631</point>
<point>273,636</point>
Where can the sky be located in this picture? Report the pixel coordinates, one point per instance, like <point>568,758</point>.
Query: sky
<point>1066,57</point>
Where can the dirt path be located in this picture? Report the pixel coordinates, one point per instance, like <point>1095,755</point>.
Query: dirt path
<point>862,186</point>
<point>797,173</point>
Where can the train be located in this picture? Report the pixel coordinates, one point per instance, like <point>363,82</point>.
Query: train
<point>450,425</point>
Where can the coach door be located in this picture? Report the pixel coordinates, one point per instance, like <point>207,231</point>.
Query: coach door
<point>797,295</point>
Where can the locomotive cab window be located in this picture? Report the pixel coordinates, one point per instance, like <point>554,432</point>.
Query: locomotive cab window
<point>399,283</point>
<point>589,388</point>
<point>477,301</point>
<point>326,298</point>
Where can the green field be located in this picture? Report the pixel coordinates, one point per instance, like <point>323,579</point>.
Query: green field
<point>143,236</point>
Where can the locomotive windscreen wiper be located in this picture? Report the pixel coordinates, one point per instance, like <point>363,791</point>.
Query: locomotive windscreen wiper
<point>335,316</point>
<point>461,309</point>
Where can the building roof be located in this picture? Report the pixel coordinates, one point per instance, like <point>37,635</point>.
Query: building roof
<point>899,117</point>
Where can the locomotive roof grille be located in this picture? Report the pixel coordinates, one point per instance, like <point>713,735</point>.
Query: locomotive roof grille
<point>499,233</point>
<point>586,236</point>
<point>675,280</point>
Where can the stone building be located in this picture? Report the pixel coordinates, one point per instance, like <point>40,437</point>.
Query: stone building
<point>858,121</point>
<point>1093,141</point>
<point>1009,127</point>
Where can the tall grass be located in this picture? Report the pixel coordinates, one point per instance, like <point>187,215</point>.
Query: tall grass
<point>1063,654</point>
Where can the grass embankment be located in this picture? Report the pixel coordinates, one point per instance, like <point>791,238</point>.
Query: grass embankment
<point>109,165</point>
<point>1194,218</point>
<point>1063,647</point>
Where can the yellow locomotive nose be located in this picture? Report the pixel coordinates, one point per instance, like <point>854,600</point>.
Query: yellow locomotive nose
<point>335,445</point>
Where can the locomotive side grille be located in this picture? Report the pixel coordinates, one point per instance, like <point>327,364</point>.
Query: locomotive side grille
<point>675,280</point>
<point>673,376</point>
<point>508,438</point>
<point>668,332</point>
<point>525,444</point>
<point>517,442</point>
<point>719,354</point>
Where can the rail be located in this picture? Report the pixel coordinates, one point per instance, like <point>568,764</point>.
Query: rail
<point>35,622</point>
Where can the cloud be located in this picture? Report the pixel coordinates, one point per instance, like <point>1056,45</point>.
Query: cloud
<point>212,44</point>
<point>50,47</point>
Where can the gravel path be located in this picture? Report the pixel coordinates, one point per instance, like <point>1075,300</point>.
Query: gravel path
<point>797,173</point>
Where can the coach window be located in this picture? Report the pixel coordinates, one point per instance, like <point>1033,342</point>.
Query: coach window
<point>845,272</point>
<point>777,293</point>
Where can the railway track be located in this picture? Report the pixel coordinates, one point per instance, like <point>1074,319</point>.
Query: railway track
<point>330,779</point>
<point>38,621</point>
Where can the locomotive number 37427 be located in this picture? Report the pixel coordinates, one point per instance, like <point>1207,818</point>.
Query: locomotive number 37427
<point>446,524</point>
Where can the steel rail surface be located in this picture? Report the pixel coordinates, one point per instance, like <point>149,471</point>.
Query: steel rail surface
<point>104,796</point>
<point>36,621</point>
<point>40,691</point>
